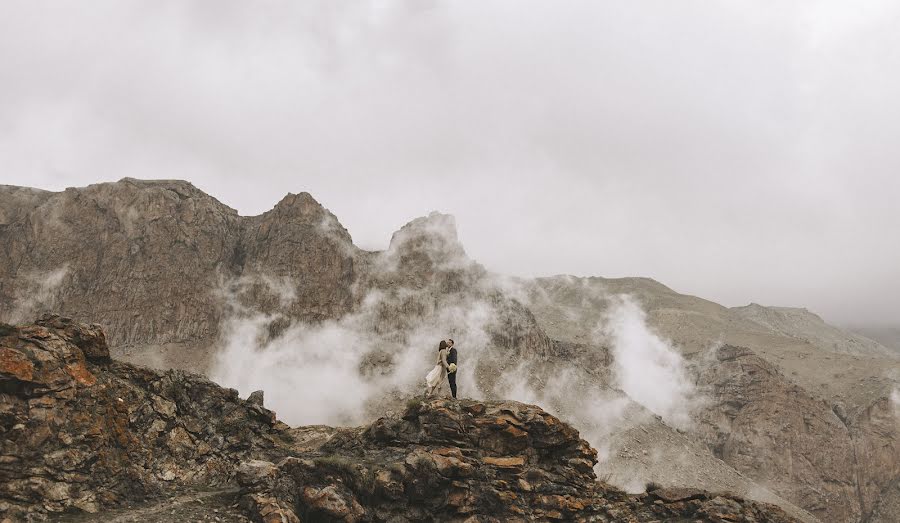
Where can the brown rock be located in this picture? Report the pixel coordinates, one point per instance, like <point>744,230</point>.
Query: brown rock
<point>402,469</point>
<point>505,462</point>
<point>94,426</point>
<point>16,365</point>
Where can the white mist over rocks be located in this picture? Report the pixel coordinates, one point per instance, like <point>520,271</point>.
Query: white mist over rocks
<point>336,372</point>
<point>348,371</point>
<point>646,367</point>
<point>351,370</point>
<point>647,377</point>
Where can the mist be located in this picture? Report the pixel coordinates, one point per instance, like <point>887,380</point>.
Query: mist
<point>351,370</point>
<point>646,367</point>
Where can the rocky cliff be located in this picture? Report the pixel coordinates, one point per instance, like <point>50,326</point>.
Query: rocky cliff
<point>82,432</point>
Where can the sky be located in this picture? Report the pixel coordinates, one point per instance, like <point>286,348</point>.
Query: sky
<point>742,151</point>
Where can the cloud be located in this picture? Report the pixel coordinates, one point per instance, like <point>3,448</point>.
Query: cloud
<point>723,149</point>
<point>343,372</point>
<point>646,367</point>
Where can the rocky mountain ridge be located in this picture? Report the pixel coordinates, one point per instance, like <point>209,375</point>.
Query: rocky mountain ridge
<point>167,267</point>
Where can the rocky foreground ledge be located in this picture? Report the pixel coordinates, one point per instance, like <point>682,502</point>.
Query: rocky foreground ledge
<point>83,433</point>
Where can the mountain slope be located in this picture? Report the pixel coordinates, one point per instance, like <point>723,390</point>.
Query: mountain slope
<point>804,325</point>
<point>774,404</point>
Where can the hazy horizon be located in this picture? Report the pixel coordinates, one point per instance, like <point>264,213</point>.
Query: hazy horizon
<point>736,153</point>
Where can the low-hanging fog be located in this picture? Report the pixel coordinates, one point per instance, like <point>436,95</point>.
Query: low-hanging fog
<point>737,151</point>
<point>350,370</point>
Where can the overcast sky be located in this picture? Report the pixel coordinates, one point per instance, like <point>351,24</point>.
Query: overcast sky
<point>739,151</point>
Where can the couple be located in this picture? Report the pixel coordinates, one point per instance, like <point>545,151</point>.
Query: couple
<point>446,363</point>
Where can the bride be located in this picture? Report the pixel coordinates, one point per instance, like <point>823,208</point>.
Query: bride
<point>435,378</point>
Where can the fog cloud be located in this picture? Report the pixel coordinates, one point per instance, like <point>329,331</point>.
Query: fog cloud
<point>736,151</point>
<point>647,367</point>
<point>351,370</point>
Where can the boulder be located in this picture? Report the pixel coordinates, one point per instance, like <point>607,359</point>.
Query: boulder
<point>256,398</point>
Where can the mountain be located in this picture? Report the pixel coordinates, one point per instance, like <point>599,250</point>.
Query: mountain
<point>771,403</point>
<point>155,250</point>
<point>776,397</point>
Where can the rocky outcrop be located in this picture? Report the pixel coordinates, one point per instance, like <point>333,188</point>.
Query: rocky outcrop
<point>444,460</point>
<point>873,433</point>
<point>306,258</point>
<point>425,280</point>
<point>81,431</point>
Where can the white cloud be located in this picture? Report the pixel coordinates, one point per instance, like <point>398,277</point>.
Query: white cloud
<point>647,367</point>
<point>738,153</point>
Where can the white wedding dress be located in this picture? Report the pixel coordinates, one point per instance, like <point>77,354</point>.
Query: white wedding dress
<point>435,377</point>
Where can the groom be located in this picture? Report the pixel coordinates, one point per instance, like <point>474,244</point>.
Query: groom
<point>451,359</point>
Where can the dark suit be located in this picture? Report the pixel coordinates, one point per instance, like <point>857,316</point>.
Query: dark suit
<point>451,376</point>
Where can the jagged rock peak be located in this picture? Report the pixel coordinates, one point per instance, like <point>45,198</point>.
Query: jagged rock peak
<point>133,192</point>
<point>435,233</point>
<point>435,224</point>
<point>304,209</point>
<point>303,202</point>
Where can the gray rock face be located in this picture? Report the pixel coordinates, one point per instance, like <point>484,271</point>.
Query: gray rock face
<point>121,252</point>
<point>152,262</point>
<point>773,431</point>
